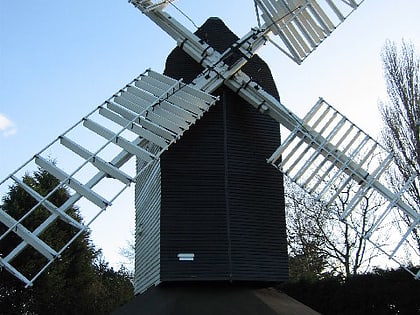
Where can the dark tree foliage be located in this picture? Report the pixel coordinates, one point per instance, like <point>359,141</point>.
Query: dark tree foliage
<point>380,292</point>
<point>80,282</point>
<point>310,264</point>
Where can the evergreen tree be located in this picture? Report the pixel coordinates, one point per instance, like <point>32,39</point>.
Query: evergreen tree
<point>80,282</point>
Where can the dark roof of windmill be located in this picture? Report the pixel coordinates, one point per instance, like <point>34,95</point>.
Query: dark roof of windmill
<point>211,299</point>
<point>220,37</point>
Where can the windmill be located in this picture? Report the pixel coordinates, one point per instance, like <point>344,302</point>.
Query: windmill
<point>323,153</point>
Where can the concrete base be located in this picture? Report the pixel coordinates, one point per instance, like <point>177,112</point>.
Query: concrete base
<point>213,299</point>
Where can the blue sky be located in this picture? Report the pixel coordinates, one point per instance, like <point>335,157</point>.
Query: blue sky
<point>60,59</point>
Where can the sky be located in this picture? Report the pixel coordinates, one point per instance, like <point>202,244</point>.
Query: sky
<point>61,59</point>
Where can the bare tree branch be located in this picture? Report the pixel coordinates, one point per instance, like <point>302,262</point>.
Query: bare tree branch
<point>401,118</point>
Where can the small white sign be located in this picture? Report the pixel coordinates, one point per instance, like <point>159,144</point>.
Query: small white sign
<point>186,257</point>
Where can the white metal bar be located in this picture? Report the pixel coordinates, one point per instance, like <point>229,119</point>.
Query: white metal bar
<point>137,108</point>
<point>352,3</point>
<point>96,161</point>
<point>375,175</point>
<point>336,10</point>
<point>189,104</point>
<point>344,166</point>
<point>27,236</point>
<point>149,125</point>
<point>328,124</point>
<point>366,184</point>
<point>269,8</point>
<point>134,127</point>
<point>187,92</point>
<point>290,154</point>
<point>149,113</point>
<point>405,236</point>
<point>47,204</point>
<point>157,117</point>
<point>314,25</point>
<point>72,182</point>
<point>118,140</point>
<point>313,111</point>
<point>164,109</point>
<point>321,16</point>
<point>13,271</point>
<point>279,151</point>
<point>337,172</point>
<point>317,152</point>
<point>318,149</point>
<point>307,32</point>
<point>297,48</point>
<point>337,129</point>
<point>175,109</point>
<point>313,21</point>
<point>157,83</point>
<point>298,36</point>
<point>330,154</point>
<point>156,128</point>
<point>280,8</point>
<point>160,77</point>
<point>291,52</point>
<point>148,5</point>
<point>170,90</point>
<point>316,123</point>
<point>368,155</point>
<point>310,140</point>
<point>274,21</point>
<point>94,218</point>
<point>45,148</point>
<point>321,117</point>
<point>391,205</point>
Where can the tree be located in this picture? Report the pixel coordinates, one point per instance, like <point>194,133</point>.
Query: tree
<point>307,259</point>
<point>401,119</point>
<point>128,255</point>
<point>350,252</point>
<point>79,283</point>
<point>319,243</point>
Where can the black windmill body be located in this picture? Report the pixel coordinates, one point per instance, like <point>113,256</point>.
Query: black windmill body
<point>219,200</point>
<point>220,204</point>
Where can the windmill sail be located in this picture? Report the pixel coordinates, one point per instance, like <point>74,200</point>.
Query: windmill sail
<point>340,158</point>
<point>141,121</point>
<point>301,25</point>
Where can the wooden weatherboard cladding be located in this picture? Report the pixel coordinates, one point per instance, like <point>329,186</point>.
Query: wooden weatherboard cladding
<point>222,206</point>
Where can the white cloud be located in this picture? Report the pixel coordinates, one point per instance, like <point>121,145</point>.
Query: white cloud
<point>7,127</point>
